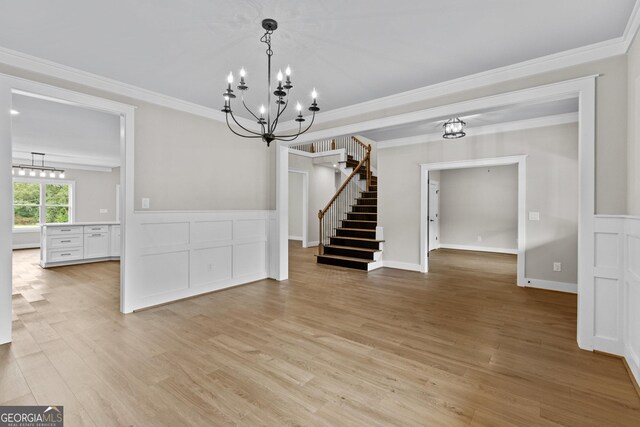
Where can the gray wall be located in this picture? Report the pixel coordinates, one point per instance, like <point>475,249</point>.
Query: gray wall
<point>188,162</point>
<point>295,205</point>
<point>479,203</point>
<point>633,145</point>
<point>321,188</point>
<point>94,191</point>
<point>552,177</point>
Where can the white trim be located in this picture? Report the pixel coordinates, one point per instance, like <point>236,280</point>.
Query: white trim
<point>401,265</point>
<point>335,152</point>
<point>313,243</point>
<point>296,238</point>
<point>538,122</point>
<point>34,229</point>
<point>26,246</point>
<point>68,162</point>
<point>305,206</point>
<point>280,249</point>
<point>550,92</point>
<point>633,24</point>
<point>549,285</point>
<point>520,161</point>
<point>479,249</point>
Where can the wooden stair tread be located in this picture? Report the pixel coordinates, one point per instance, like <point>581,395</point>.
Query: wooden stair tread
<point>356,229</point>
<point>366,198</point>
<point>359,220</point>
<point>346,258</point>
<point>355,248</point>
<point>362,239</point>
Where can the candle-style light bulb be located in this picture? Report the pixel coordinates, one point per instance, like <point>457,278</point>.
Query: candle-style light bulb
<point>230,78</point>
<point>279,75</point>
<point>288,71</point>
<point>262,110</point>
<point>298,107</point>
<point>243,73</point>
<point>314,94</point>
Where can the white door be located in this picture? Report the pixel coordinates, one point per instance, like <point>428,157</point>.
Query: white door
<point>434,215</point>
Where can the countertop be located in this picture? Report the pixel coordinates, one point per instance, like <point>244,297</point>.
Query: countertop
<point>82,223</point>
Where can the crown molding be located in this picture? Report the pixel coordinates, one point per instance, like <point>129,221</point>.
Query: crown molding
<point>69,162</point>
<point>568,58</point>
<point>538,122</point>
<point>53,69</point>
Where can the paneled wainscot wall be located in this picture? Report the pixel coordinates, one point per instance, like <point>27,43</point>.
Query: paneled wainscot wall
<point>181,254</point>
<point>616,276</point>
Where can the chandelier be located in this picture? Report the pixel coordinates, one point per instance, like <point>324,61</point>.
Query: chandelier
<point>453,128</point>
<point>266,119</point>
<point>40,170</point>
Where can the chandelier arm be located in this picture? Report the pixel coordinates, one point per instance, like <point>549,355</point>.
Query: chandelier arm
<point>247,108</point>
<point>239,134</point>
<point>300,127</point>
<point>275,122</point>
<point>242,127</point>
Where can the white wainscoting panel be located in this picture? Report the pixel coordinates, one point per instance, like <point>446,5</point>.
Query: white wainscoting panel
<point>632,294</point>
<point>182,254</point>
<point>616,279</point>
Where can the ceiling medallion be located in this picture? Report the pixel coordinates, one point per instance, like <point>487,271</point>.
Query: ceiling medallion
<point>453,128</point>
<point>267,119</point>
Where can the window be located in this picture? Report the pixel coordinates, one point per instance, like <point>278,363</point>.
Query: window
<point>40,202</point>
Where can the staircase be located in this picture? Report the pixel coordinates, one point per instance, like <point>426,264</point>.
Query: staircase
<point>348,223</point>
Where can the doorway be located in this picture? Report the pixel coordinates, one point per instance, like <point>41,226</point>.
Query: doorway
<point>299,206</point>
<point>64,207</point>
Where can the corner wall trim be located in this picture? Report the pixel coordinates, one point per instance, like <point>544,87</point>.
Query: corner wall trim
<point>479,249</point>
<point>549,285</point>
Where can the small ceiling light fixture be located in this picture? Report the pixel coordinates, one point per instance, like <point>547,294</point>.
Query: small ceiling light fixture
<point>453,128</point>
<point>268,124</point>
<point>33,168</point>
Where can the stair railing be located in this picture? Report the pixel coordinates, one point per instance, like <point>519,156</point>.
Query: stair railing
<point>339,205</point>
<point>351,145</point>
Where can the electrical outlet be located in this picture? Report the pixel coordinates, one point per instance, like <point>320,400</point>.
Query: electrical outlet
<point>534,216</point>
<point>557,266</point>
<point>104,211</point>
<point>479,238</point>
<point>145,203</point>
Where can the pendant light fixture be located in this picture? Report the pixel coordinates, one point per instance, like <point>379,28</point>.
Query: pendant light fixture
<point>267,119</point>
<point>33,168</point>
<point>453,128</point>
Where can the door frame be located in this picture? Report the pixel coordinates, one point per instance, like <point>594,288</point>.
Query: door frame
<point>10,85</point>
<point>305,205</point>
<point>431,182</point>
<point>520,161</point>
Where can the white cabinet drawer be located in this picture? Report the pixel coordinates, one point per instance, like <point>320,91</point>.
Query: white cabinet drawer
<point>96,229</point>
<point>56,231</point>
<point>96,245</point>
<point>64,241</point>
<point>58,255</point>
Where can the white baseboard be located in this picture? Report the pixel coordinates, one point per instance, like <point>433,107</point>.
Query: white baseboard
<point>314,243</point>
<point>633,362</point>
<point>295,238</point>
<point>479,249</point>
<point>27,246</point>
<point>401,265</point>
<point>549,285</point>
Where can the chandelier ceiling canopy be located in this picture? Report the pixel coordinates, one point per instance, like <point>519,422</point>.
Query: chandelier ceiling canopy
<point>267,118</point>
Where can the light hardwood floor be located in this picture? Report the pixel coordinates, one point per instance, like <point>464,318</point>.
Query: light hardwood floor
<point>460,346</point>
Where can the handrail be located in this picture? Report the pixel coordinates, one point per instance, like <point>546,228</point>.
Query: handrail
<point>335,214</point>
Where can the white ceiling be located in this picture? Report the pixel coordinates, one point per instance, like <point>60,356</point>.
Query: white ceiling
<point>478,118</point>
<point>67,134</point>
<point>351,51</point>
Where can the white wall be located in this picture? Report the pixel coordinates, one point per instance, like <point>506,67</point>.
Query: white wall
<point>479,207</point>
<point>295,206</point>
<point>552,182</point>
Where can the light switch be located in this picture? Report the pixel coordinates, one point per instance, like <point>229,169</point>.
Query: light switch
<point>557,266</point>
<point>103,211</point>
<point>534,216</point>
<point>145,203</point>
